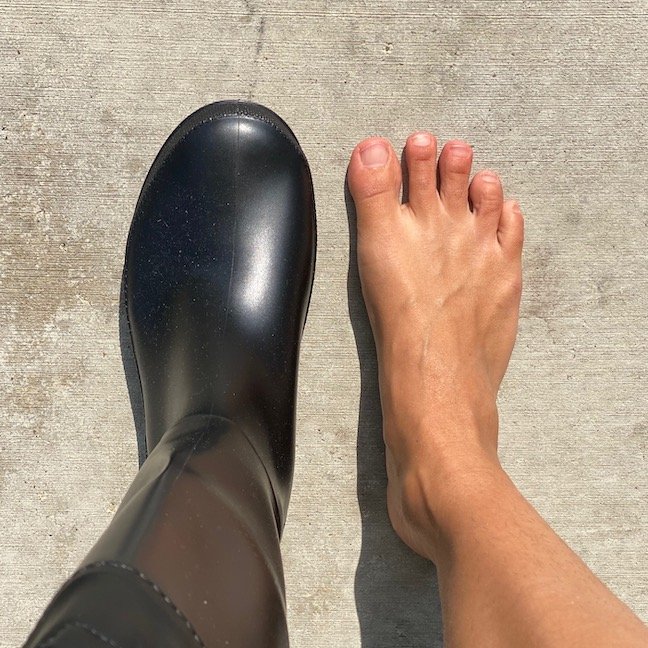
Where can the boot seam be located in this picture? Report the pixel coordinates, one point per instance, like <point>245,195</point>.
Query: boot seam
<point>114,564</point>
<point>240,428</point>
<point>49,641</point>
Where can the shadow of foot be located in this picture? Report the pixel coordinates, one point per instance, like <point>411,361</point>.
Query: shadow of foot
<point>395,590</point>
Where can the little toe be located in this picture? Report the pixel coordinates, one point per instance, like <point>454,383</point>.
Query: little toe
<point>455,162</point>
<point>420,157</point>
<point>510,231</point>
<point>374,177</point>
<point>487,198</point>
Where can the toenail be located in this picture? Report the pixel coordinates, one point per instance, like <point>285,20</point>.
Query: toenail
<point>422,139</point>
<point>489,177</point>
<point>461,151</point>
<point>375,155</point>
<point>516,208</point>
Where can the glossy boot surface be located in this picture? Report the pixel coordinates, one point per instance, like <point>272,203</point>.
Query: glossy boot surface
<point>219,267</point>
<point>218,272</point>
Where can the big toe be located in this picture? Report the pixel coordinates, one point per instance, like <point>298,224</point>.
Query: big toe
<point>374,178</point>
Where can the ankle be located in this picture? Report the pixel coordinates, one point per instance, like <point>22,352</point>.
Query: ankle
<point>441,437</point>
<point>430,498</point>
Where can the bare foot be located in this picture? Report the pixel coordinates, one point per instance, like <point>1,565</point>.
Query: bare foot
<point>441,278</point>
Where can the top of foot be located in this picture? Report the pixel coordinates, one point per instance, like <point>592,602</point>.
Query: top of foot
<point>441,278</point>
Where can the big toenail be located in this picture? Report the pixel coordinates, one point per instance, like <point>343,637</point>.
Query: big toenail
<point>374,155</point>
<point>489,177</point>
<point>422,139</point>
<point>461,151</point>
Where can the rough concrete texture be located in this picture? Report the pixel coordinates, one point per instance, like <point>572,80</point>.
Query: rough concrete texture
<point>552,94</point>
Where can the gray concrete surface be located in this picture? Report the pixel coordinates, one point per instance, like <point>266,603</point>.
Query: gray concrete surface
<point>552,94</point>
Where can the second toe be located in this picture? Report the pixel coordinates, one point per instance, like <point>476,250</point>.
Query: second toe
<point>455,163</point>
<point>420,158</point>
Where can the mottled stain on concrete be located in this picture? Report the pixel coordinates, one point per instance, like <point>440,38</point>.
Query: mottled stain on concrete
<point>553,95</point>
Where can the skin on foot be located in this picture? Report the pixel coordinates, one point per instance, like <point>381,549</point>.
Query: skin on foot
<point>441,278</point>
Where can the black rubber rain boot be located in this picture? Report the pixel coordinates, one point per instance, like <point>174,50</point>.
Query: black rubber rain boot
<point>219,268</point>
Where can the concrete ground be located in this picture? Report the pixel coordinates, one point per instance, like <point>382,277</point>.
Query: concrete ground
<point>552,94</point>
